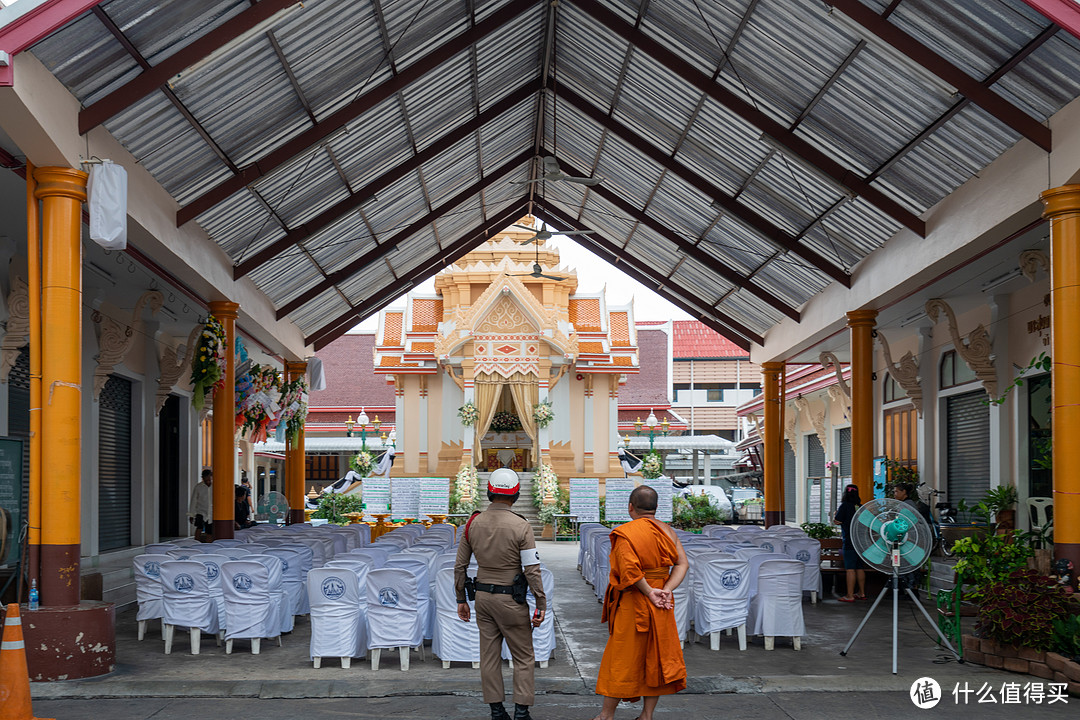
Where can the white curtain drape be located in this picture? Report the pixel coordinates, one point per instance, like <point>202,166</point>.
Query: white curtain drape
<point>487,387</point>
<point>524,392</point>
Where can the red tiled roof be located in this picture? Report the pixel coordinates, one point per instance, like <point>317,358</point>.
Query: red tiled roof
<point>427,314</point>
<point>620,329</point>
<point>694,340</point>
<point>584,314</point>
<point>392,329</point>
<point>650,385</point>
<point>630,416</point>
<point>350,375</point>
<point>591,347</point>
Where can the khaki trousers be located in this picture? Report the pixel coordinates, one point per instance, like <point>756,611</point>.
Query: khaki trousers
<point>499,617</point>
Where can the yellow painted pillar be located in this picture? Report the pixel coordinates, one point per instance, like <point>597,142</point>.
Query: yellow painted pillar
<point>772,381</point>
<point>33,271</point>
<point>223,427</point>
<point>861,324</point>
<point>295,461</point>
<point>1062,208</point>
<point>62,192</point>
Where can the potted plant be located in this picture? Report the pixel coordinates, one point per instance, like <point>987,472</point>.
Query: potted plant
<point>819,531</point>
<point>985,560</point>
<point>1001,504</point>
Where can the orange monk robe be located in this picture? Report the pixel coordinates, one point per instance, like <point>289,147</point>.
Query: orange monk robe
<point>643,654</point>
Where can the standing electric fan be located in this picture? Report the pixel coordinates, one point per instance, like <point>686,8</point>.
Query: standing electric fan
<point>273,507</point>
<point>893,538</point>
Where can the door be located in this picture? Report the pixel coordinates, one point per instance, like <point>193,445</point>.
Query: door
<point>169,495</point>
<point>790,473</point>
<point>114,465</point>
<point>968,447</point>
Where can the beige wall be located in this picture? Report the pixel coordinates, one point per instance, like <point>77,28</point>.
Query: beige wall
<point>716,371</point>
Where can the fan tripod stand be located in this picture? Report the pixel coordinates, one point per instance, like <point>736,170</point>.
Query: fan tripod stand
<point>895,582</point>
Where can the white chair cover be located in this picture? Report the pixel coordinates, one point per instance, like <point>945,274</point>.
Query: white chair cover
<point>776,609</point>
<point>754,561</point>
<point>394,618</point>
<point>769,542</point>
<point>375,555</point>
<point>682,610</point>
<point>213,562</point>
<point>585,531</point>
<point>233,553</point>
<point>256,548</point>
<point>181,542</point>
<point>185,595</point>
<point>228,542</point>
<point>292,579</point>
<point>338,614</point>
<point>276,583</point>
<point>162,548</point>
<point>453,640</point>
<point>147,571</point>
<point>543,637</point>
<point>808,552</point>
<point>340,542</point>
<point>749,529</point>
<point>748,552</point>
<point>602,567</point>
<point>248,610</point>
<point>724,597</point>
<point>418,566</point>
<point>181,553</point>
<point>352,562</point>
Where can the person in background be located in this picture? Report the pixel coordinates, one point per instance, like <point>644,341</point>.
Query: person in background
<point>853,564</point>
<point>904,492</point>
<point>246,484</point>
<point>200,506</point>
<point>242,516</point>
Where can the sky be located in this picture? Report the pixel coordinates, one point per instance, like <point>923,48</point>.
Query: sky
<point>593,275</point>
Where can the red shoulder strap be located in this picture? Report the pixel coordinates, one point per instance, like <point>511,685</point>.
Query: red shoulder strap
<point>470,523</point>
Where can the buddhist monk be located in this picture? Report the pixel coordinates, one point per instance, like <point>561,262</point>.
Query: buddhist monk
<point>643,657</point>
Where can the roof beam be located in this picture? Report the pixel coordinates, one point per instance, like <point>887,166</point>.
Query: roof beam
<point>339,119</point>
<point>342,274</point>
<point>447,256</point>
<point>149,80</point>
<point>830,168</point>
<point>969,87</point>
<point>357,197</point>
<point>734,208</point>
<point>692,250</point>
<point>641,271</point>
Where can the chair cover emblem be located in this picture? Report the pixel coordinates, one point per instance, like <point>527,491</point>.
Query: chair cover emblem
<point>767,546</point>
<point>242,582</point>
<point>183,583</point>
<point>183,557</point>
<point>212,570</point>
<point>152,569</point>
<point>333,588</point>
<point>731,579</point>
<point>388,597</point>
<point>284,565</point>
<point>803,555</point>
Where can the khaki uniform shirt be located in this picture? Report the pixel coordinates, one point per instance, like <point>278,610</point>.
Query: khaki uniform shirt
<point>497,536</point>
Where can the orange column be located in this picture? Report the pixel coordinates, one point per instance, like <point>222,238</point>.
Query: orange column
<point>861,323</point>
<point>33,271</point>
<point>295,461</point>
<point>62,192</point>
<point>223,427</point>
<point>772,380</point>
<point>1062,208</point>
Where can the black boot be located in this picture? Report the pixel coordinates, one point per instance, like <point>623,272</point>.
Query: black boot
<point>498,712</point>
<point>521,712</point>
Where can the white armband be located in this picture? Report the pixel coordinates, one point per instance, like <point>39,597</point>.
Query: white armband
<point>530,556</point>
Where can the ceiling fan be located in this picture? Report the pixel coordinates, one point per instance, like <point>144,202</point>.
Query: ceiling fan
<point>538,271</point>
<point>554,173</point>
<point>544,234</point>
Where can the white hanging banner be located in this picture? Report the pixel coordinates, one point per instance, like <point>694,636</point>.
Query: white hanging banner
<point>405,498</point>
<point>107,197</point>
<point>617,503</point>
<point>434,496</point>
<point>585,499</point>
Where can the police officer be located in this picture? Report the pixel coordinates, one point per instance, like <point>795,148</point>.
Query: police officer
<point>507,558</point>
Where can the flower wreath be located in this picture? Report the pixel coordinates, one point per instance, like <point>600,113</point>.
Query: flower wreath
<point>468,414</point>
<point>543,414</point>
<point>294,407</point>
<point>208,362</point>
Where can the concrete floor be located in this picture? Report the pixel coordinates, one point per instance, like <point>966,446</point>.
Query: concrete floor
<point>144,671</point>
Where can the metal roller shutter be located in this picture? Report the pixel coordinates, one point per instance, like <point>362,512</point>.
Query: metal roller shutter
<point>114,465</point>
<point>19,427</point>
<point>845,451</point>
<point>815,457</point>
<point>790,473</point>
<point>968,447</point>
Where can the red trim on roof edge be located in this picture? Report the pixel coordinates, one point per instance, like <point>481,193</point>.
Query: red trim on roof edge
<point>38,23</point>
<point>1065,13</point>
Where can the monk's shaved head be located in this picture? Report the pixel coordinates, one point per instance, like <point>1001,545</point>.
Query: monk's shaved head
<point>644,499</point>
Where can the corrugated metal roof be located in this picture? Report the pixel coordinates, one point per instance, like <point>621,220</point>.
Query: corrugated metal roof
<point>662,145</point>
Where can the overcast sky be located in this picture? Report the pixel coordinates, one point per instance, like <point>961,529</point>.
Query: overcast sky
<point>593,275</point>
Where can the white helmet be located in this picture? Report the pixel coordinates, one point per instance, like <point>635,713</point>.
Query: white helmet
<point>504,481</point>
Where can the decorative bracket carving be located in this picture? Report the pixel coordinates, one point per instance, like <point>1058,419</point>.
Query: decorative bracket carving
<point>977,351</point>
<point>836,395</point>
<point>1030,260</point>
<point>906,373</point>
<point>829,361</point>
<point>817,419</point>
<point>172,368</point>
<point>791,420</point>
<point>459,381</point>
<point>18,326</point>
<point>115,338</point>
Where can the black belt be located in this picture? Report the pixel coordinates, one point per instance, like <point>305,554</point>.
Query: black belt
<point>496,589</point>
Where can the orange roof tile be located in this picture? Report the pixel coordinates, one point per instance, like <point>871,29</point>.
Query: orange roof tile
<point>392,329</point>
<point>591,347</point>
<point>623,360</point>
<point>394,361</point>
<point>426,315</point>
<point>585,314</point>
<point>620,329</point>
<point>425,347</point>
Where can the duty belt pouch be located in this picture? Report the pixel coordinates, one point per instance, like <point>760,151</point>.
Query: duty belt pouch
<point>520,588</point>
<point>470,588</point>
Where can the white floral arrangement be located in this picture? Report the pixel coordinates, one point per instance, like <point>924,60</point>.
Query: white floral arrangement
<point>545,484</point>
<point>466,495</point>
<point>653,465</point>
<point>468,414</point>
<point>543,414</point>
<point>294,407</point>
<point>363,463</point>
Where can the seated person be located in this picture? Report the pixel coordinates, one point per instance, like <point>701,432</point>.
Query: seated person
<point>243,509</point>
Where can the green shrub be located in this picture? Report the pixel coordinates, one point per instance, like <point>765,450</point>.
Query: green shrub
<point>1022,609</point>
<point>1066,639</point>
<point>334,507</point>
<point>819,531</point>
<point>986,560</point>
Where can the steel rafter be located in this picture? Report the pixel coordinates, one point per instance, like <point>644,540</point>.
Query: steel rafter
<point>360,195</point>
<point>737,210</point>
<point>311,137</point>
<point>969,87</point>
<point>447,256</point>
<point>641,271</point>
<point>689,248</point>
<point>157,76</point>
<point>796,145</point>
<point>380,250</point>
